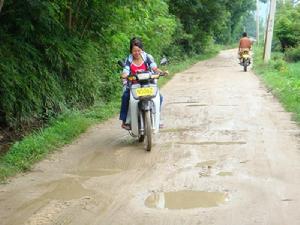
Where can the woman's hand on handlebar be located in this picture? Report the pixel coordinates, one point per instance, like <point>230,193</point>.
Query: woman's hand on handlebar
<point>124,76</point>
<point>164,73</point>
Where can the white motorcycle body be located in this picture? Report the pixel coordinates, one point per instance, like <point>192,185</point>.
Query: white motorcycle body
<point>136,110</point>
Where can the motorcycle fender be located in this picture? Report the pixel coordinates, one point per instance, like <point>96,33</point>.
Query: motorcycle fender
<point>145,105</point>
<point>133,115</point>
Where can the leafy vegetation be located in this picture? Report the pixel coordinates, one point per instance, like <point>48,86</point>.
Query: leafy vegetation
<point>205,21</point>
<point>60,55</point>
<point>287,31</point>
<point>282,78</point>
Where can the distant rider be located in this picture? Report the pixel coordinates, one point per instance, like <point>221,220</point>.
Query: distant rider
<point>245,44</point>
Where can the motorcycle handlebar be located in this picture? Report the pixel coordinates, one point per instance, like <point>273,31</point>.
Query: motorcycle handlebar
<point>153,76</point>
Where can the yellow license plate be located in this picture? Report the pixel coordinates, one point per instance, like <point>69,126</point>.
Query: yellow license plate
<point>144,91</point>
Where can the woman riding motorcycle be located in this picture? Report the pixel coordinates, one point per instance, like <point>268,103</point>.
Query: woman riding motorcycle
<point>137,61</point>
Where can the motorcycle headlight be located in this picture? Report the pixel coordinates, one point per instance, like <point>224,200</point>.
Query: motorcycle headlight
<point>143,76</point>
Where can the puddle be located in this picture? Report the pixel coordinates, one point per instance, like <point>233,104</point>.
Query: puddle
<point>223,174</point>
<point>66,189</point>
<point>196,105</point>
<point>208,164</point>
<point>185,200</point>
<point>95,173</point>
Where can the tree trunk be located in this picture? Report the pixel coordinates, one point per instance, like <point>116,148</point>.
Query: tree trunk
<point>1,4</point>
<point>270,29</point>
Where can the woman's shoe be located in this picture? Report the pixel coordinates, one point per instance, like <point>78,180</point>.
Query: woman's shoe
<point>125,126</point>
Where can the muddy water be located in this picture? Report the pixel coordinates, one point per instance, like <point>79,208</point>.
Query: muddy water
<point>223,174</point>
<point>66,189</point>
<point>185,200</point>
<point>209,163</point>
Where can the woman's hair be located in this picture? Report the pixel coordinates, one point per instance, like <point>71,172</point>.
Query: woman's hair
<point>135,42</point>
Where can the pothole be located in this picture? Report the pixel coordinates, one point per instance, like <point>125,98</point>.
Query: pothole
<point>65,189</point>
<point>208,163</point>
<point>96,172</point>
<point>223,174</point>
<point>185,200</point>
<point>196,105</point>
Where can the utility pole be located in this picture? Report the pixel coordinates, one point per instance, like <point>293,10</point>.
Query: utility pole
<point>269,33</point>
<point>257,22</point>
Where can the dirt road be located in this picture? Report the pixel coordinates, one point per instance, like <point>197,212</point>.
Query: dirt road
<point>228,155</point>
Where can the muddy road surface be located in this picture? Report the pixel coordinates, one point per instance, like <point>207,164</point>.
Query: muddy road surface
<point>228,155</point>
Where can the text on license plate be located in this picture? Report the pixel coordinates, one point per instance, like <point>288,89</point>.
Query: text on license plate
<point>144,91</point>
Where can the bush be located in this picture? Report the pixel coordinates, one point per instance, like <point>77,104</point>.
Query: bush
<point>278,63</point>
<point>293,54</point>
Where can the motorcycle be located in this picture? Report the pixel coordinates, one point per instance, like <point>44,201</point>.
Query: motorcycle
<point>245,59</point>
<point>144,105</point>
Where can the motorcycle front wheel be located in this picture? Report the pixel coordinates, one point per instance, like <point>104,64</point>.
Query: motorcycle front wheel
<point>245,64</point>
<point>148,131</point>
<point>141,138</point>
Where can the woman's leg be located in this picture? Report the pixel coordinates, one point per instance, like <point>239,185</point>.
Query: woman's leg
<point>161,124</point>
<point>124,105</point>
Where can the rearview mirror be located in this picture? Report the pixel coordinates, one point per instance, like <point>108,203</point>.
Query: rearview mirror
<point>121,63</point>
<point>164,61</point>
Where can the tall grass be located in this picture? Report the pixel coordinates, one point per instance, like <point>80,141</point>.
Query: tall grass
<point>282,78</point>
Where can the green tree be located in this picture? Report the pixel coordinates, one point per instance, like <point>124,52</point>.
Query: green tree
<point>61,54</point>
<point>204,21</point>
<point>287,26</point>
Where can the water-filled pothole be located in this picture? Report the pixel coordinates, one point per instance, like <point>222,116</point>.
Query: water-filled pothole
<point>223,174</point>
<point>96,172</point>
<point>196,105</point>
<point>65,189</point>
<point>209,163</point>
<point>185,200</point>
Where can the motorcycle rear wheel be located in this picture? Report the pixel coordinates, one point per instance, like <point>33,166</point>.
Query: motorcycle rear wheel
<point>148,131</point>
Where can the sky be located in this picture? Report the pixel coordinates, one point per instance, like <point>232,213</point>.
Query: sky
<point>263,10</point>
